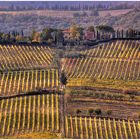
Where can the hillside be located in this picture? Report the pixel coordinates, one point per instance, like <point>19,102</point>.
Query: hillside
<point>110,65</point>
<point>39,19</point>
<point>69,70</point>
<point>100,100</point>
<point>124,21</point>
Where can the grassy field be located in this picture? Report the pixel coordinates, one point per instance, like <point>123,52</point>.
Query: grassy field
<point>34,135</point>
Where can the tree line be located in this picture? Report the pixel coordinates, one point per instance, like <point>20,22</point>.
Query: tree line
<point>55,36</point>
<point>71,7</point>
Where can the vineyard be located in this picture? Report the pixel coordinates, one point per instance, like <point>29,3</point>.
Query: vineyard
<point>28,74</point>
<point>101,128</point>
<point>117,60</point>
<point>15,82</point>
<point>30,114</point>
<point>25,69</point>
<point>24,57</point>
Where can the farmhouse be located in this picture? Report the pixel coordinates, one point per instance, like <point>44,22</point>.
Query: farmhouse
<point>88,35</point>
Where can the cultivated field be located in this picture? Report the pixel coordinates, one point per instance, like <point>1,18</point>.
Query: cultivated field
<point>98,128</point>
<point>106,77</point>
<point>120,105</point>
<point>37,113</point>
<point>115,62</point>
<point>16,82</point>
<point>24,57</point>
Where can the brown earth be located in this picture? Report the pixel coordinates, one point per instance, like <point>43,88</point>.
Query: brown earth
<point>120,109</point>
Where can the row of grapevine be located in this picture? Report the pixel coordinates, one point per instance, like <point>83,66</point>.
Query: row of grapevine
<point>117,60</point>
<point>24,57</point>
<point>103,68</point>
<point>14,82</point>
<point>30,114</point>
<point>126,49</point>
<point>99,128</point>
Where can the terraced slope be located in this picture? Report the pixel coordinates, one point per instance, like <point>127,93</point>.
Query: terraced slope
<point>113,61</point>
<point>24,57</point>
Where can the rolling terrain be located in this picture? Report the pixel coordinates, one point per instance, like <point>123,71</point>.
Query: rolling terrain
<point>100,100</point>
<point>39,19</point>
<point>114,64</point>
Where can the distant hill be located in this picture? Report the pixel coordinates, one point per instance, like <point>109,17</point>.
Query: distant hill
<point>27,20</point>
<point>124,21</point>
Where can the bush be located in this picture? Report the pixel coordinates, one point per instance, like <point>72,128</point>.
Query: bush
<point>78,111</point>
<point>109,112</point>
<point>63,78</point>
<point>90,111</point>
<point>131,97</point>
<point>130,92</point>
<point>98,111</point>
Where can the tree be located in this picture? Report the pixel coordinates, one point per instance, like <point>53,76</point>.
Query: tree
<point>22,33</point>
<point>1,36</point>
<point>63,78</point>
<point>98,111</point>
<point>76,32</point>
<point>73,30</point>
<point>90,111</point>
<point>19,38</point>
<point>109,112</point>
<point>59,36</point>
<point>105,31</point>
<point>118,33</point>
<point>32,34</point>
<point>35,36</point>
<point>80,32</point>
<point>46,34</point>
<point>105,28</point>
<point>126,33</point>
<point>131,32</point>
<point>78,111</point>
<point>122,33</point>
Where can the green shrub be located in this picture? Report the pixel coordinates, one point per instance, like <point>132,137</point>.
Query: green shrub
<point>78,111</point>
<point>90,111</point>
<point>109,112</point>
<point>98,111</point>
